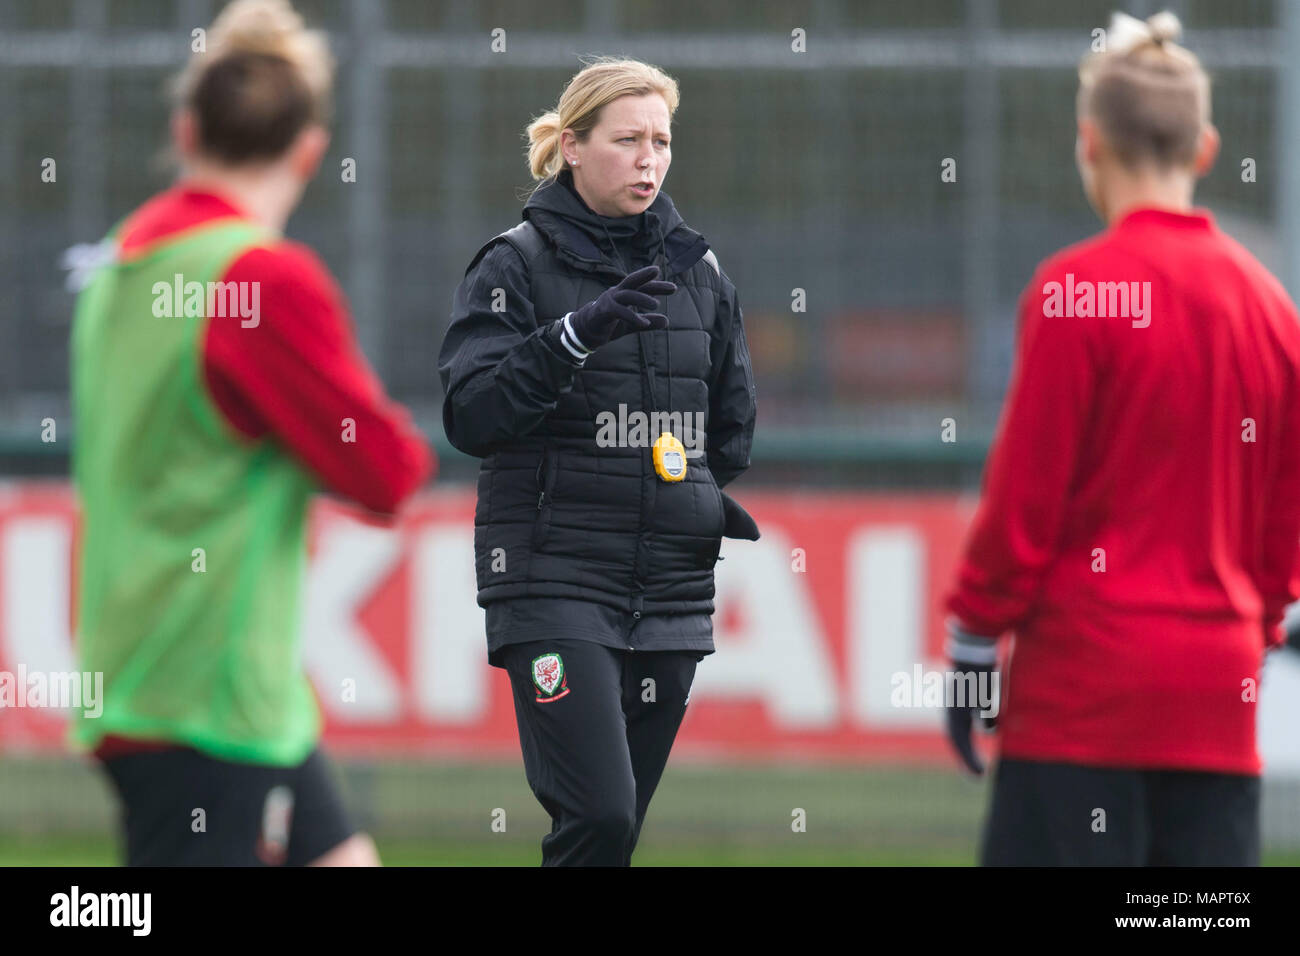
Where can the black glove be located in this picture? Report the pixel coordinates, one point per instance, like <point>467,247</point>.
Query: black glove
<point>615,312</point>
<point>737,521</point>
<point>975,669</point>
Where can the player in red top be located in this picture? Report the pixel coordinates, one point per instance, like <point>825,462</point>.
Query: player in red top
<point>1140,524</point>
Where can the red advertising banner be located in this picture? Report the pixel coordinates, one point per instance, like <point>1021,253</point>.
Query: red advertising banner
<point>841,594</point>
<point>826,630</point>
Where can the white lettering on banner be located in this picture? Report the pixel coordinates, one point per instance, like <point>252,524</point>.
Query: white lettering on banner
<point>36,593</point>
<point>886,591</point>
<point>783,656</point>
<point>1279,712</point>
<point>449,668</point>
<point>351,561</point>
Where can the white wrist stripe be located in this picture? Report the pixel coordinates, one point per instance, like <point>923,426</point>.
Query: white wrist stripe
<point>963,647</point>
<point>571,341</point>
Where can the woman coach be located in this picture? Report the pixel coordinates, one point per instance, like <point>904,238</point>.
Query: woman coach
<point>595,561</point>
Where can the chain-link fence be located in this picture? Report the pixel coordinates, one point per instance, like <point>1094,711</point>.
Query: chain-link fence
<point>809,148</point>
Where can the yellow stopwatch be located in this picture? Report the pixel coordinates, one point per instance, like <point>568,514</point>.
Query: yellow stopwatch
<point>669,457</point>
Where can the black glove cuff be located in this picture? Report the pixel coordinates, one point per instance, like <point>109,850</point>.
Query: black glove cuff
<point>553,336</point>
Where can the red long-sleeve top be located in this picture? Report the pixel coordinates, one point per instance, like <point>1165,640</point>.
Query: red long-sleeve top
<point>296,375</point>
<point>1139,529</point>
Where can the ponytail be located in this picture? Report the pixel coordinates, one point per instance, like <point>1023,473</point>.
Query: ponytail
<point>544,158</point>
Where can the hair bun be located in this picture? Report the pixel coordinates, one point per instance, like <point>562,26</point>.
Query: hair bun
<point>1127,33</point>
<point>1164,26</point>
<point>544,145</point>
<point>256,26</point>
<point>267,27</point>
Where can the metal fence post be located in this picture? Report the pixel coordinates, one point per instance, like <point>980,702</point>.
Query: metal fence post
<point>1287,159</point>
<point>367,132</point>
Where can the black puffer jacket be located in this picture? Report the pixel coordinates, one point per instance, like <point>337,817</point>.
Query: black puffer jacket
<point>559,513</point>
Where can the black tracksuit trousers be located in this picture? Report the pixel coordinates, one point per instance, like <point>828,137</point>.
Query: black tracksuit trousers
<point>596,741</point>
<point>1060,814</point>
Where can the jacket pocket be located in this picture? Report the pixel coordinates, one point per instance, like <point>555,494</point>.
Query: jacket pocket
<point>712,543</point>
<point>738,523</point>
<point>545,486</point>
<point>722,508</point>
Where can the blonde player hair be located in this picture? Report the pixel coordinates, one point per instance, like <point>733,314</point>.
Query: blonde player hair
<point>1149,96</point>
<point>601,81</point>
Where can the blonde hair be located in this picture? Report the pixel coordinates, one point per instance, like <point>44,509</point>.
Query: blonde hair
<point>601,81</point>
<point>261,78</point>
<point>1150,96</point>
